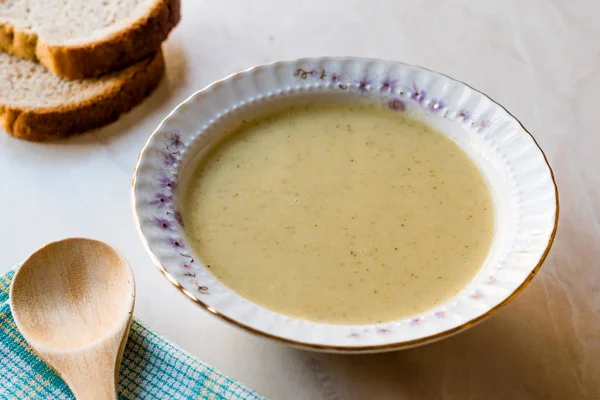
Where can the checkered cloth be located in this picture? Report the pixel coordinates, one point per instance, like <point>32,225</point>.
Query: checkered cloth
<point>152,368</point>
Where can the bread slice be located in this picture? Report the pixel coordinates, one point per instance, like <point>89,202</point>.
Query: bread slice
<point>85,38</point>
<point>37,105</point>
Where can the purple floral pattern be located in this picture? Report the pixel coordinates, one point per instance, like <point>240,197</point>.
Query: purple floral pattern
<point>463,115</point>
<point>166,217</point>
<point>174,141</point>
<point>388,85</point>
<point>164,223</point>
<point>364,85</point>
<point>176,243</point>
<point>482,125</point>
<point>435,106</point>
<point>167,182</point>
<point>161,200</point>
<point>169,159</point>
<point>391,93</point>
<point>418,95</point>
<point>396,105</point>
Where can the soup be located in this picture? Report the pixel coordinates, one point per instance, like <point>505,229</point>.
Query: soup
<point>340,214</point>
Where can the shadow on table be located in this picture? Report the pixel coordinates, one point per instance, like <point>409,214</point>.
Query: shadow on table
<point>494,360</point>
<point>544,345</point>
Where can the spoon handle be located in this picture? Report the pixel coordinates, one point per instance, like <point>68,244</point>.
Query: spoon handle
<point>91,373</point>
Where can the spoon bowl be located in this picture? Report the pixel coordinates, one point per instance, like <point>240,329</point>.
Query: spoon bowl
<point>72,301</point>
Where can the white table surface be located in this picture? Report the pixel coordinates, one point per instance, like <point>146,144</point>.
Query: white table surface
<point>539,58</point>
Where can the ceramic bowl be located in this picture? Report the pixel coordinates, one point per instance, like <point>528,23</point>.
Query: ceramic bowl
<point>520,180</point>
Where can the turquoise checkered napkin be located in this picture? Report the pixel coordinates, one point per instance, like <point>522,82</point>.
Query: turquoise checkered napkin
<point>152,368</point>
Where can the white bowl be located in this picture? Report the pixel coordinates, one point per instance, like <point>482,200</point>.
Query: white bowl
<point>524,193</point>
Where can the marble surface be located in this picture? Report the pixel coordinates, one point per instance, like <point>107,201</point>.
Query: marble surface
<point>539,58</point>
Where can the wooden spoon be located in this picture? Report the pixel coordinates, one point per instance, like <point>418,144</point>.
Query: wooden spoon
<point>73,300</point>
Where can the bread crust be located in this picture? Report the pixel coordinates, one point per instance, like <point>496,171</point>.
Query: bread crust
<point>40,124</point>
<point>117,51</point>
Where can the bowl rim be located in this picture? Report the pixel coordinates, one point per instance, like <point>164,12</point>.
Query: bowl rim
<point>342,348</point>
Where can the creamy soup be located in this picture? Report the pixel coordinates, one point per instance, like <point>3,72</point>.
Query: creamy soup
<point>340,214</point>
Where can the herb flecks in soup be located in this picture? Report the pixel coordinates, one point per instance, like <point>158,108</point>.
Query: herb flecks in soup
<point>341,214</point>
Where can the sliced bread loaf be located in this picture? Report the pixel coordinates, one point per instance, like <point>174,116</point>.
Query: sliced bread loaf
<point>85,38</point>
<point>37,105</point>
